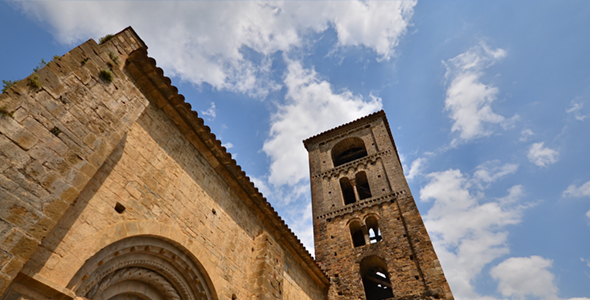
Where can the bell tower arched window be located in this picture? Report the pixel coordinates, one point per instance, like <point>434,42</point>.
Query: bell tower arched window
<point>356,232</point>
<point>348,150</point>
<point>347,191</point>
<point>373,228</point>
<point>375,278</point>
<point>362,186</point>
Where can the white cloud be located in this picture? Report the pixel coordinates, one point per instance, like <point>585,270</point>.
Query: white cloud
<point>468,100</point>
<point>311,107</point>
<point>416,168</point>
<point>206,41</point>
<point>228,145</point>
<point>372,24</point>
<point>578,191</point>
<point>490,171</point>
<point>575,109</point>
<point>211,112</point>
<point>542,156</point>
<point>468,229</point>
<point>525,134</point>
<point>524,276</point>
<point>515,193</point>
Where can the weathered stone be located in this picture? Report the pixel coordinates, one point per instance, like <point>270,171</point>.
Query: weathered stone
<point>124,184</point>
<point>17,133</point>
<point>369,236</point>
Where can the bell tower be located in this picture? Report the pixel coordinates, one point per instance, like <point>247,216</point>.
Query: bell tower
<point>369,236</point>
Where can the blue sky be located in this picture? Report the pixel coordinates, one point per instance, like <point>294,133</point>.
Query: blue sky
<point>489,104</point>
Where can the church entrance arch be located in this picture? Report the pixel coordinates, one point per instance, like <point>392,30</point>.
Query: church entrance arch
<point>143,267</point>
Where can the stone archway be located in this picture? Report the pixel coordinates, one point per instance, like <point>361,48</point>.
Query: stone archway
<point>142,267</point>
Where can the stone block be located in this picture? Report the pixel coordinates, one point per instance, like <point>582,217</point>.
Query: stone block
<point>25,247</point>
<point>17,133</point>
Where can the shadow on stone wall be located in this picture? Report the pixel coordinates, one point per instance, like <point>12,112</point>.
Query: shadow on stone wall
<point>52,240</point>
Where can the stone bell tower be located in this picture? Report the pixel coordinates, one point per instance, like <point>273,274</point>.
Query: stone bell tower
<point>369,236</point>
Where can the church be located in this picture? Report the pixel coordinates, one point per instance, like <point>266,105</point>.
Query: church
<point>111,187</point>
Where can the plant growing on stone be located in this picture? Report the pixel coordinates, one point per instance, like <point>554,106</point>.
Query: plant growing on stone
<point>83,62</point>
<point>114,58</point>
<point>4,112</point>
<point>105,39</point>
<point>56,131</point>
<point>7,84</point>
<point>42,64</point>
<point>106,75</point>
<point>34,82</point>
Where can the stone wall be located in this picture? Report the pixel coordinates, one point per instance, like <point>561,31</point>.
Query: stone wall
<point>87,164</point>
<point>400,249</point>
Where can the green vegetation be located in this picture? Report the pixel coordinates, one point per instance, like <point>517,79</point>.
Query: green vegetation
<point>105,39</point>
<point>34,82</point>
<point>106,75</point>
<point>42,64</point>
<point>4,112</point>
<point>55,57</point>
<point>83,62</point>
<point>114,58</point>
<point>56,131</point>
<point>7,84</point>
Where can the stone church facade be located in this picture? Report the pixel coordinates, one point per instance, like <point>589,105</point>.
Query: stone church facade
<point>111,187</point>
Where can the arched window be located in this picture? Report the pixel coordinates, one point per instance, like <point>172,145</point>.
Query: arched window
<point>362,186</point>
<point>373,228</point>
<point>347,191</point>
<point>375,278</point>
<point>348,150</point>
<point>356,232</point>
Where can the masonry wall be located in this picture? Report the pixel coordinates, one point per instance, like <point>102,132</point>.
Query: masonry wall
<point>403,251</point>
<point>118,166</point>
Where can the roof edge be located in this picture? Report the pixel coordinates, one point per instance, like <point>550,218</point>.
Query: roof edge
<point>174,100</point>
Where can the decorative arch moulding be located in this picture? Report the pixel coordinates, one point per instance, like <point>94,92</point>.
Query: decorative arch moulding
<point>354,164</point>
<point>349,209</point>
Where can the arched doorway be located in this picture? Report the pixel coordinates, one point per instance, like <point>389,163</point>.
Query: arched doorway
<point>143,267</point>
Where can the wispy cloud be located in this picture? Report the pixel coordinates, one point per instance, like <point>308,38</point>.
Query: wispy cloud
<point>467,228</point>
<point>468,99</point>
<point>576,109</point>
<point>525,135</point>
<point>581,191</point>
<point>211,112</point>
<point>416,168</point>
<point>542,156</point>
<point>577,191</point>
<point>206,41</point>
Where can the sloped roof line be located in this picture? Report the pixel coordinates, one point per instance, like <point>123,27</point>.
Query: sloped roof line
<point>225,159</point>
